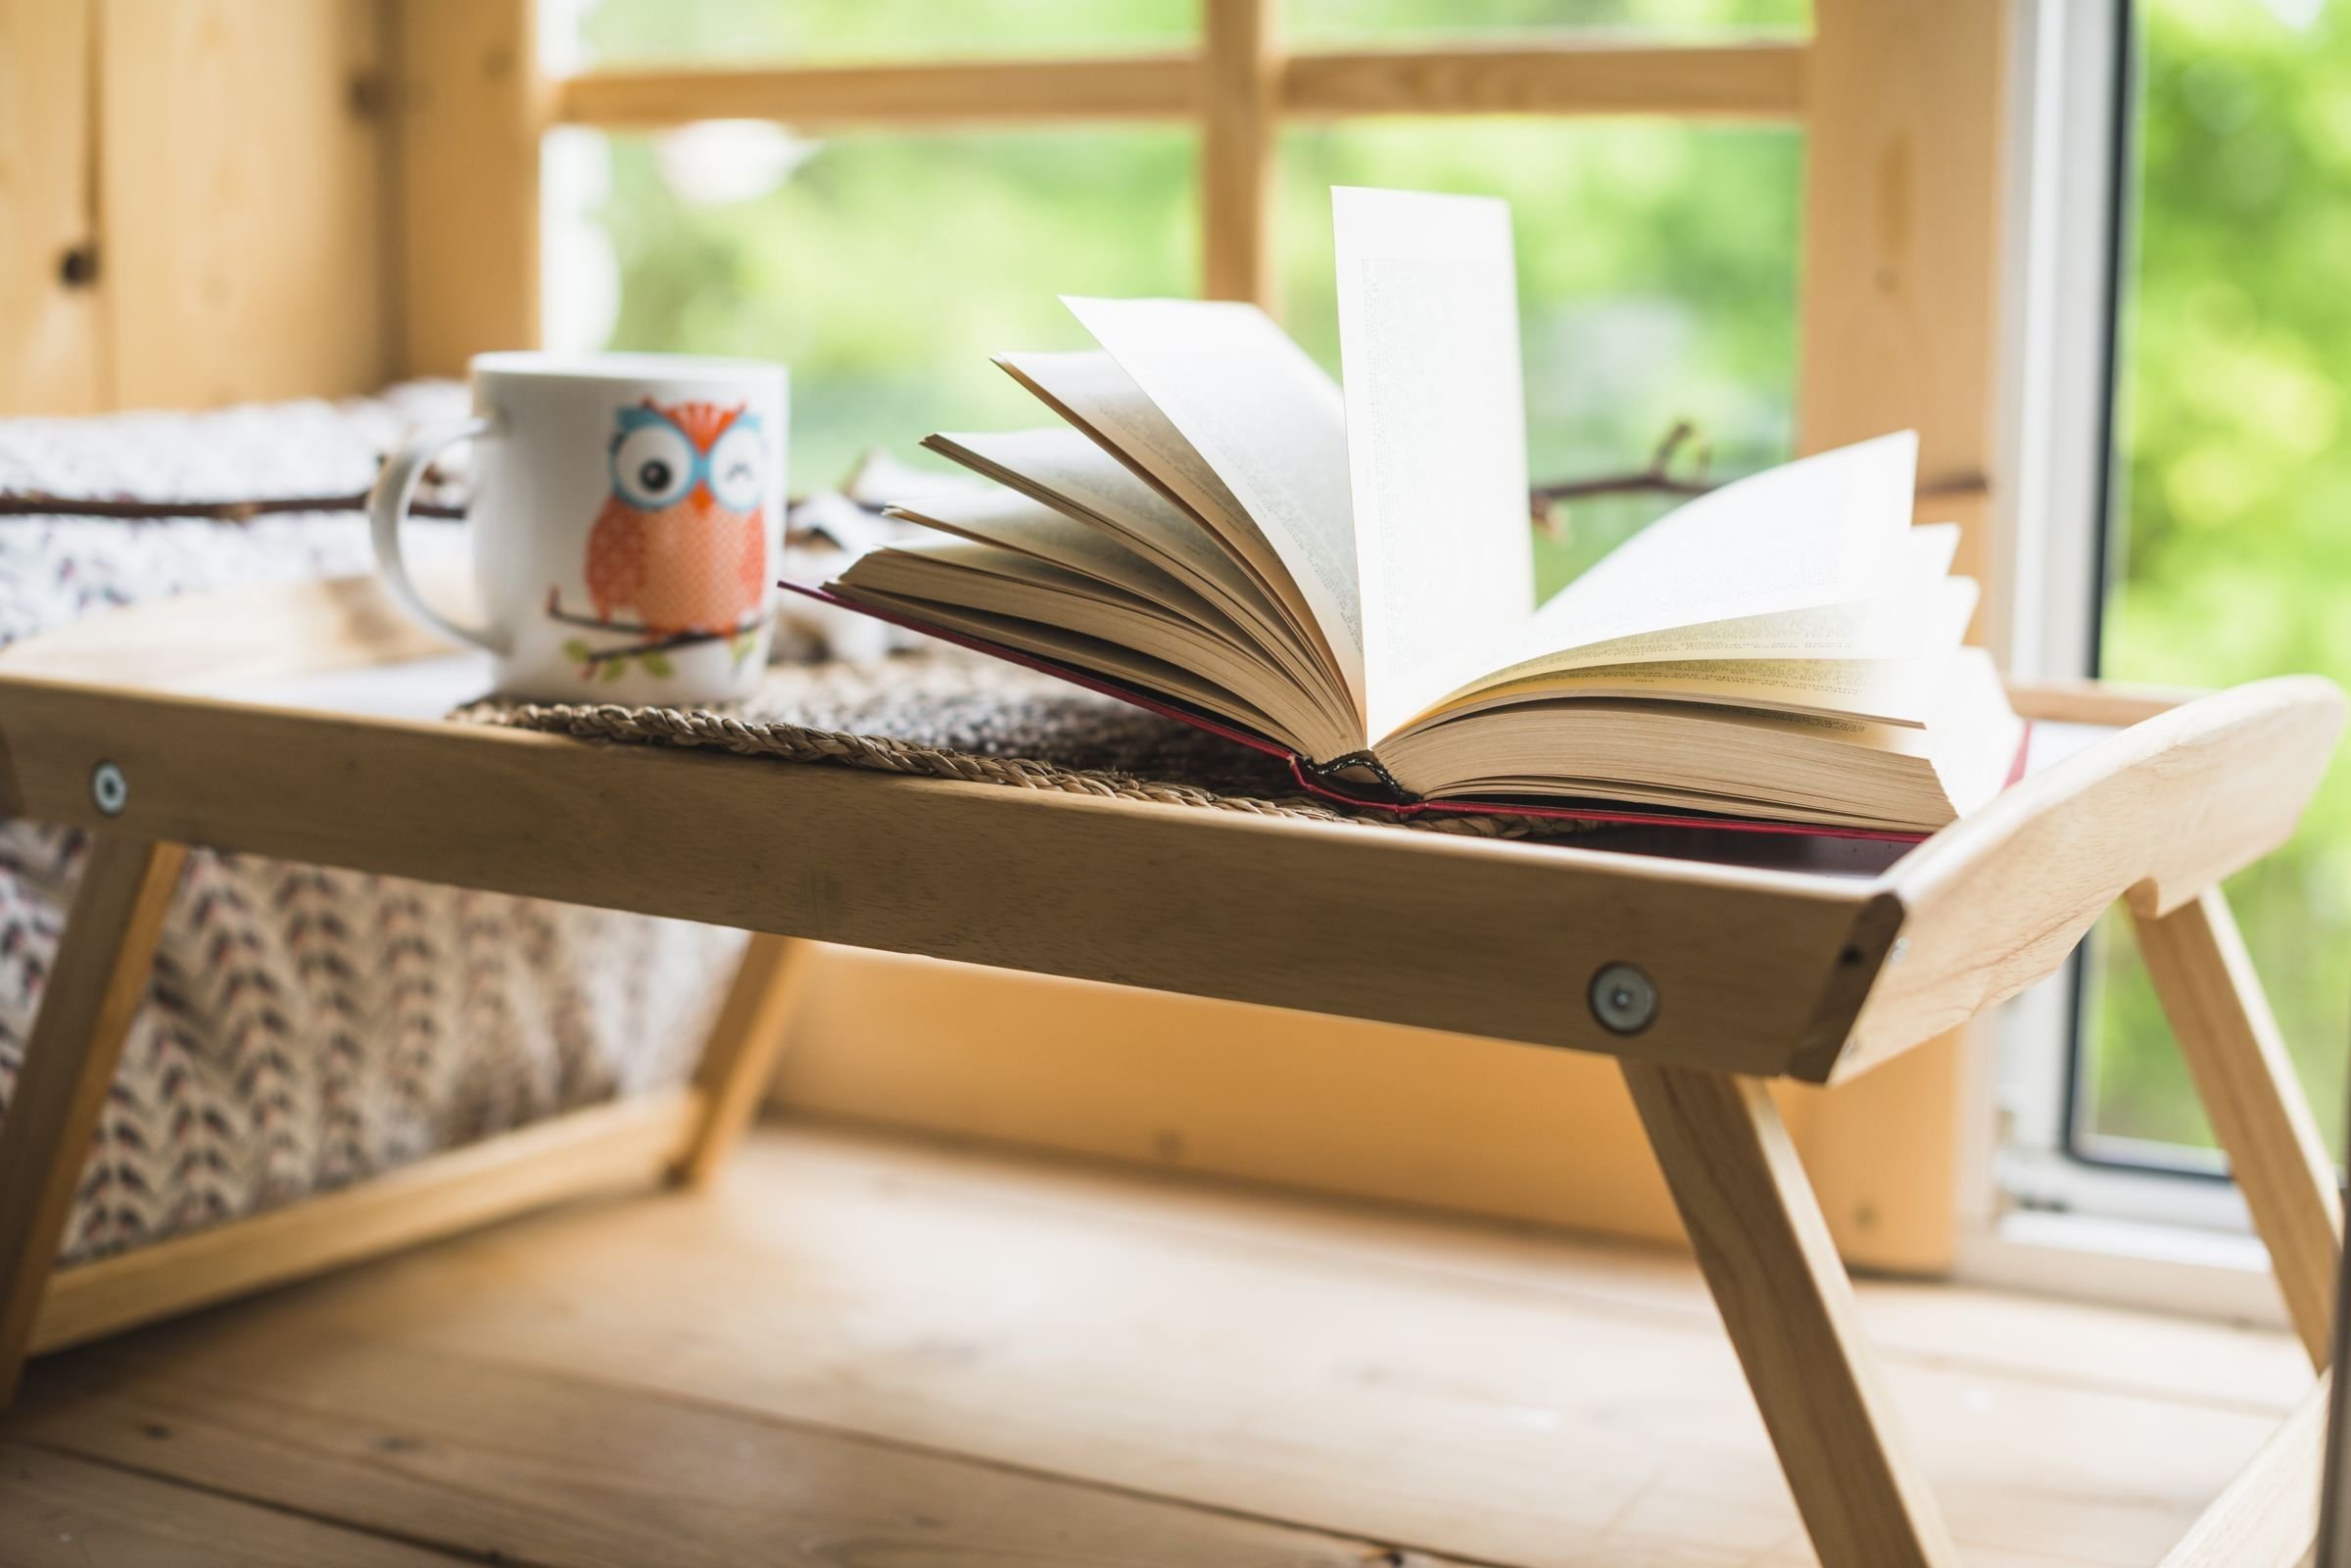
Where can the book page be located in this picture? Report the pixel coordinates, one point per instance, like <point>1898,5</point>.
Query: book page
<point>1092,655</point>
<point>1057,466</point>
<point>1904,617</point>
<point>1975,736</point>
<point>1272,426</point>
<point>1103,402</point>
<point>1436,436</point>
<point>1822,530</point>
<point>1091,391</point>
<point>1894,689</point>
<point>1025,602</point>
<point>1897,691</point>
<point>1013,522</point>
<point>1065,470</point>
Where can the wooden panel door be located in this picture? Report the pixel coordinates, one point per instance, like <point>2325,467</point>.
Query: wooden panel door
<point>49,345</point>
<point>242,192</point>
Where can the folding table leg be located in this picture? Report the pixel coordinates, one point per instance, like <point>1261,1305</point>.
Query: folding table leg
<point>740,1056</point>
<point>1788,1306</point>
<point>2247,1085</point>
<point>92,992</point>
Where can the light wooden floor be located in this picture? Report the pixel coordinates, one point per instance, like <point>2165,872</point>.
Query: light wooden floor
<point>873,1352</point>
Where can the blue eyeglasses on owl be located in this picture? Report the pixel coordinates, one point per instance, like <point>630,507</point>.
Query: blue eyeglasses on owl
<point>696,451</point>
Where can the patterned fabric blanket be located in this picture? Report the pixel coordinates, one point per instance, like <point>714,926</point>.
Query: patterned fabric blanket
<point>304,1027</point>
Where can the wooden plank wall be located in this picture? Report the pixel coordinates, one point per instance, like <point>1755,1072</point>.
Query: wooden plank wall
<point>281,200</point>
<point>1184,1083</point>
<point>466,243</point>
<point>241,189</point>
<point>218,165</point>
<point>49,327</point>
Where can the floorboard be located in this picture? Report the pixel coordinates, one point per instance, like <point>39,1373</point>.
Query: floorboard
<point>860,1350</point>
<point>62,1512</point>
<point>518,1465</point>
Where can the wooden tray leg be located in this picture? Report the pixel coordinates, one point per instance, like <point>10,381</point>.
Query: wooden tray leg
<point>1788,1306</point>
<point>740,1056</point>
<point>91,995</point>
<point>2242,1072</point>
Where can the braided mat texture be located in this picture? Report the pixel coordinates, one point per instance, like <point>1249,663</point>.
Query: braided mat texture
<point>947,714</point>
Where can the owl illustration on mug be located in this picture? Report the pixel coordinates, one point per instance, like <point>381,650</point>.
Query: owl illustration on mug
<point>681,540</point>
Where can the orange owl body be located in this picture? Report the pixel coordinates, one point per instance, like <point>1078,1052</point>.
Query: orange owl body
<point>668,548</point>
<point>691,567</point>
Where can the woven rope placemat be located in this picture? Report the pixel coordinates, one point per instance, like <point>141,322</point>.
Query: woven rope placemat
<point>947,714</point>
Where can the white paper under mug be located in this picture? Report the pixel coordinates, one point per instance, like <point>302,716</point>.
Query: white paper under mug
<point>627,518</point>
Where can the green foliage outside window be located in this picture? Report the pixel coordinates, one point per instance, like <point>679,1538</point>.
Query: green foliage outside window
<point>2234,554</point>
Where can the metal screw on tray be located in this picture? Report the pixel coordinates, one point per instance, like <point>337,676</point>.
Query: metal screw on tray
<point>1623,998</point>
<point>110,791</point>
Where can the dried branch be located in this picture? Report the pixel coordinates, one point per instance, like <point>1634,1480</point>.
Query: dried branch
<point>39,503</point>
<point>1546,501</point>
<point>35,503</point>
<point>1658,479</point>
<point>662,645</point>
<point>557,612</point>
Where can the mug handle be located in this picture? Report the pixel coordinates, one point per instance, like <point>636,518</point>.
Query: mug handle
<point>388,506</point>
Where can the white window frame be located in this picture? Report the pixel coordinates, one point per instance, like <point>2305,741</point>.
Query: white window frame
<point>2032,1216</point>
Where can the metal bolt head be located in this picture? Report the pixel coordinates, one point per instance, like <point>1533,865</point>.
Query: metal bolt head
<point>110,791</point>
<point>1623,998</point>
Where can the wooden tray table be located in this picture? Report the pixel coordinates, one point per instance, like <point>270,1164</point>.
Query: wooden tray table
<point>306,723</point>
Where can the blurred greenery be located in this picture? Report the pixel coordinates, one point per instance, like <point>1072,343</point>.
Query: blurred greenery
<point>1347,23</point>
<point>740,32</point>
<point>2234,555</point>
<point>1658,266</point>
<point>1658,261</point>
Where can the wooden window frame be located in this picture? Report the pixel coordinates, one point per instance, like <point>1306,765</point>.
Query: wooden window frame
<point>1238,87</point>
<point>1902,105</point>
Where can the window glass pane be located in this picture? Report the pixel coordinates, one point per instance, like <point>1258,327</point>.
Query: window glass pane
<point>885,270</point>
<point>1657,269</point>
<point>748,32</point>
<point>2231,555</point>
<point>1354,21</point>
<point>1658,264</point>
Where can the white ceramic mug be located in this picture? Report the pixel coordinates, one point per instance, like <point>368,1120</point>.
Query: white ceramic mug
<point>627,518</point>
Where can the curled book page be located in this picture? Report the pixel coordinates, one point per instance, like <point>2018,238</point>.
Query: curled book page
<point>1095,396</point>
<point>1823,530</point>
<point>1436,437</point>
<point>1263,415</point>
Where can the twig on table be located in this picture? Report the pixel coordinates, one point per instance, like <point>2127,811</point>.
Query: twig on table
<point>35,503</point>
<point>1546,501</point>
<point>39,503</point>
<point>1658,479</point>
<point>653,643</point>
<point>664,645</point>
<point>557,612</point>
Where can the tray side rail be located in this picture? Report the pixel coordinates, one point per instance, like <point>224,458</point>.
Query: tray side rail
<point>1751,966</point>
<point>2154,814</point>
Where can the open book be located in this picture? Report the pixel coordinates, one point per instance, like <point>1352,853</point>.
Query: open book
<point>1219,531</point>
